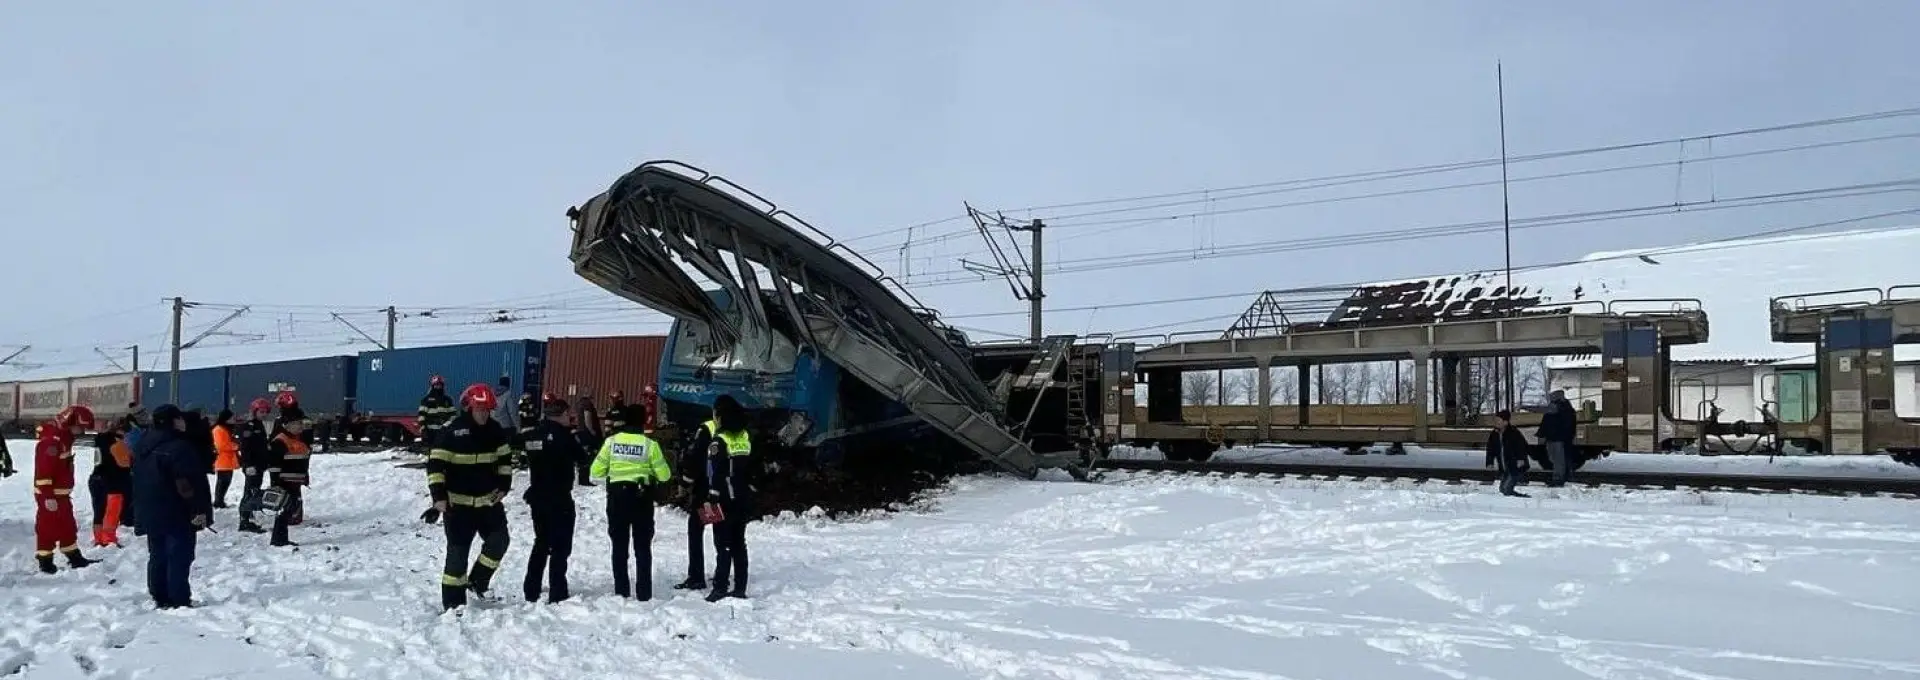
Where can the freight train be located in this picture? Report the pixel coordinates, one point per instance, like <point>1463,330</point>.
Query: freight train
<point>371,397</point>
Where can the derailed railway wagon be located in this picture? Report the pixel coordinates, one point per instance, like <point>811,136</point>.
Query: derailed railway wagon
<point>1631,342</point>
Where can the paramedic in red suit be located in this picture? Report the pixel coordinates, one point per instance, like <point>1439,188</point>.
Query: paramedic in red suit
<point>54,528</point>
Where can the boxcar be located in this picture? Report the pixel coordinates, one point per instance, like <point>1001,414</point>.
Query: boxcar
<point>205,388</point>
<point>596,367</point>
<point>109,395</point>
<point>391,382</point>
<point>42,399</point>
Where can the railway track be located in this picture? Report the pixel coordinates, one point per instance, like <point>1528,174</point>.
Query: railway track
<point>1832,486</point>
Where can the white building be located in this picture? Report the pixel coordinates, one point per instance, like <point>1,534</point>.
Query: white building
<point>1740,369</point>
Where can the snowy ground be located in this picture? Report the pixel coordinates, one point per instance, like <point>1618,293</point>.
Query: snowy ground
<point>1138,577</point>
<point>1772,466</point>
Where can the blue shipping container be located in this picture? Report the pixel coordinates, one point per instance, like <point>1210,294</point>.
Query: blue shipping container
<point>325,385</point>
<point>202,387</point>
<point>391,382</point>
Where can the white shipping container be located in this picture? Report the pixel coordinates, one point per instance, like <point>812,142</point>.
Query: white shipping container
<point>108,395</point>
<point>9,401</point>
<point>43,399</point>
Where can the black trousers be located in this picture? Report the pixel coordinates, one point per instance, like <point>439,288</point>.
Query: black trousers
<point>730,549</point>
<point>696,545</point>
<point>249,496</point>
<point>630,518</point>
<point>287,513</point>
<point>223,480</point>
<point>552,545</point>
<point>463,524</point>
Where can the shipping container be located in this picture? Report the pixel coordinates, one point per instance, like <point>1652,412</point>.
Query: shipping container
<point>108,395</point>
<point>42,399</point>
<point>9,401</point>
<point>596,367</point>
<point>205,388</point>
<point>325,385</point>
<point>391,382</point>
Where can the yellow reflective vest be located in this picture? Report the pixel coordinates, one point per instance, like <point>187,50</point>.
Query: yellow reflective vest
<point>631,457</point>
<point>738,443</point>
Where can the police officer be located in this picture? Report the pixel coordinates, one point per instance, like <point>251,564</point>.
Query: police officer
<point>468,475</point>
<point>435,410</point>
<point>725,491</point>
<point>553,453</point>
<point>633,466</point>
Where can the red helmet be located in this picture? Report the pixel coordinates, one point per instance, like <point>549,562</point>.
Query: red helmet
<point>437,381</point>
<point>478,395</point>
<point>647,390</point>
<point>260,405</point>
<point>75,416</point>
<point>286,400</point>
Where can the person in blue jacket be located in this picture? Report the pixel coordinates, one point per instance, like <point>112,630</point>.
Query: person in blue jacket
<point>170,488</point>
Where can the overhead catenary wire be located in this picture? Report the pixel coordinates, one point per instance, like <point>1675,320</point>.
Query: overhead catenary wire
<point>1415,171</point>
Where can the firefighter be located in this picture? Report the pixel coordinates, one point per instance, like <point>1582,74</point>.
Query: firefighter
<point>553,453</point>
<point>53,524</point>
<point>435,410</point>
<point>616,417</point>
<point>468,476</point>
<point>587,430</point>
<point>287,468</point>
<point>634,467</point>
<point>254,440</point>
<point>295,511</point>
<point>526,419</point>
<point>692,475</point>
<point>725,493</point>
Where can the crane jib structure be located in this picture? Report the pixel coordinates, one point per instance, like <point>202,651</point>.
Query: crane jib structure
<point>628,238</point>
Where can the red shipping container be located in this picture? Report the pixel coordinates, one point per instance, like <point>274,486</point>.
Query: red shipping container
<point>595,367</point>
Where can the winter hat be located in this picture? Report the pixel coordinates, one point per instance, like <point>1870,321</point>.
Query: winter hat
<point>555,407</point>
<point>1503,414</point>
<point>165,415</point>
<point>290,413</point>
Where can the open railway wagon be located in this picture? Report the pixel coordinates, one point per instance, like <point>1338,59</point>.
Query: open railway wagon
<point>1854,334</point>
<point>1633,338</point>
<point>787,278</point>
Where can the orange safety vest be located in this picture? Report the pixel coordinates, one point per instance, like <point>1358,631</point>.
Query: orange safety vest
<point>226,451</point>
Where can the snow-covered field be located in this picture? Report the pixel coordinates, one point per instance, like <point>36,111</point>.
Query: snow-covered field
<point>1138,577</point>
<point>1770,466</point>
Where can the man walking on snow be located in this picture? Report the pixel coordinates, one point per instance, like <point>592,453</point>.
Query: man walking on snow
<point>1556,434</point>
<point>1507,448</point>
<point>468,475</point>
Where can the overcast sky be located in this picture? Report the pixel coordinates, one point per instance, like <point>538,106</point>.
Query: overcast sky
<point>313,158</point>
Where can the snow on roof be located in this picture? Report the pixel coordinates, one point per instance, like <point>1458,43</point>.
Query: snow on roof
<point>1733,280</point>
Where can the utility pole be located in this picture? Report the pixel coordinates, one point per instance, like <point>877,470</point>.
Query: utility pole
<point>136,358</point>
<point>173,379</point>
<point>1506,219</point>
<point>1015,268</point>
<point>393,319</point>
<point>1034,300</point>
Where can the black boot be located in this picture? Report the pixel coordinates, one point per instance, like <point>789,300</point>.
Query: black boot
<point>46,564</point>
<point>692,583</point>
<point>719,591</point>
<point>77,560</point>
<point>252,527</point>
<point>452,597</point>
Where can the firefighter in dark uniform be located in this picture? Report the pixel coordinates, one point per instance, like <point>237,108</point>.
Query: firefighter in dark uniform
<point>635,468</point>
<point>553,453</point>
<point>468,476</point>
<point>435,410</point>
<point>615,419</point>
<point>724,491</point>
<point>526,419</point>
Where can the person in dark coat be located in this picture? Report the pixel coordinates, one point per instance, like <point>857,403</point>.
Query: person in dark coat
<point>1507,449</point>
<point>1556,435</point>
<point>726,489</point>
<point>287,468</point>
<point>587,430</point>
<point>170,482</point>
<point>553,453</point>
<point>254,440</point>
